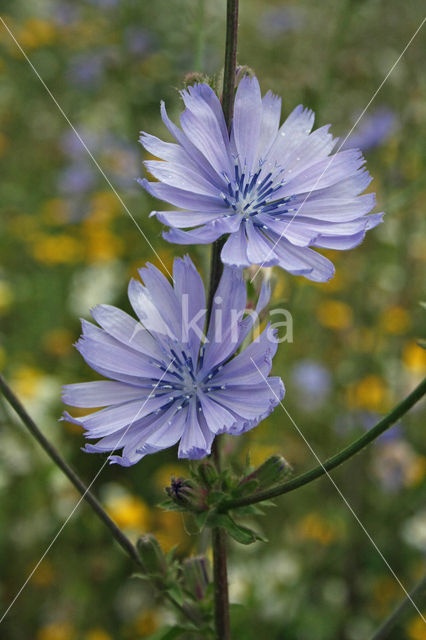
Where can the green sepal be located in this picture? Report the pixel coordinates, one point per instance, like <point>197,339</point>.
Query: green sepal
<point>241,534</point>
<point>247,488</point>
<point>214,497</point>
<point>201,518</point>
<point>176,592</point>
<point>169,505</point>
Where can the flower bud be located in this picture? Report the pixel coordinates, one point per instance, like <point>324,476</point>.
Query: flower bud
<point>187,494</point>
<point>207,473</point>
<point>273,471</point>
<point>151,555</point>
<point>196,575</point>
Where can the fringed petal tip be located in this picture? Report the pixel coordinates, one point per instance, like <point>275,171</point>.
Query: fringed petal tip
<point>194,453</point>
<point>67,417</point>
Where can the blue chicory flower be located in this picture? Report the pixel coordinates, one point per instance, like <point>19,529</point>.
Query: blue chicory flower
<point>275,190</point>
<point>168,381</point>
<point>373,130</point>
<point>312,382</point>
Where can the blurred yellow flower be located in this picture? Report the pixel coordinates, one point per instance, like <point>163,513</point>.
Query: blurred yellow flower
<point>369,393</point>
<point>169,528</point>
<point>416,629</point>
<point>6,296</point>
<point>100,244</point>
<point>26,381</point>
<point>146,623</point>
<point>258,453</point>
<point>163,474</point>
<point>258,328</point>
<point>395,320</point>
<point>417,472</point>
<point>280,284</point>
<point>56,631</point>
<point>163,260</point>
<point>316,528</point>
<point>97,634</point>
<point>104,206</point>
<point>334,314</point>
<point>129,512</point>
<point>414,357</point>
<point>58,342</point>
<point>335,284</point>
<point>35,33</point>
<point>45,574</point>
<point>385,590</point>
<point>56,249</point>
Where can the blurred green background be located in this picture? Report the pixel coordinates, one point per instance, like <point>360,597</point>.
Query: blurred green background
<point>66,244</point>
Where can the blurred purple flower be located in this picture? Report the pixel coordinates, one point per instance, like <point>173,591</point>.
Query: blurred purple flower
<point>137,40</point>
<point>76,178</point>
<point>87,69</point>
<point>351,421</point>
<point>394,464</point>
<point>64,14</point>
<point>167,385</point>
<point>71,145</point>
<point>312,382</point>
<point>373,130</point>
<point>276,191</point>
<point>278,20</point>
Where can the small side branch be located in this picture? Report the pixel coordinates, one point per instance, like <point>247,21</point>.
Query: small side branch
<point>347,453</point>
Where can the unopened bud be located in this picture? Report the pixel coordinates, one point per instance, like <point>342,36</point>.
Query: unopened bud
<point>196,575</point>
<point>151,555</point>
<point>271,472</point>
<point>207,473</point>
<point>187,494</point>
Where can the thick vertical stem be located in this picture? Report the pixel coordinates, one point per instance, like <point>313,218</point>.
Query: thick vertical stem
<point>220,575</point>
<point>221,598</point>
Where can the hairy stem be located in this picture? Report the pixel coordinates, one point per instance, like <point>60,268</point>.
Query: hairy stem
<point>52,452</point>
<point>221,598</point>
<point>356,446</point>
<point>402,609</point>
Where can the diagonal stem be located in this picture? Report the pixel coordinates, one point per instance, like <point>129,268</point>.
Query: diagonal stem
<point>402,609</point>
<point>52,452</point>
<point>335,461</point>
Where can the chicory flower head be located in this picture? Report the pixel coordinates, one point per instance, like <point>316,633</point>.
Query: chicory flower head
<point>275,190</point>
<point>169,382</point>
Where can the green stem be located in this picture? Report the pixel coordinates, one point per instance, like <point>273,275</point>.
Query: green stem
<point>402,609</point>
<point>336,460</point>
<point>221,597</point>
<point>52,452</point>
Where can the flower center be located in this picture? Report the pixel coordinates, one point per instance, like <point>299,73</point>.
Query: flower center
<point>251,194</point>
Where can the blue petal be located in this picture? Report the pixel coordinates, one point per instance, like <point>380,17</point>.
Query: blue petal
<point>234,251</point>
<point>101,393</point>
<point>246,122</point>
<point>271,112</point>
